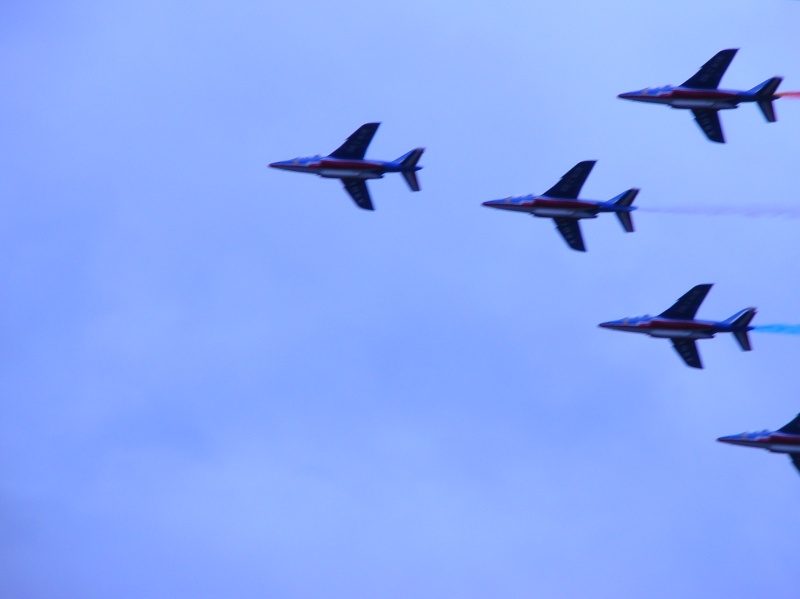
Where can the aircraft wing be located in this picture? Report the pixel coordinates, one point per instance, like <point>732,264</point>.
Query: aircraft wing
<point>357,188</point>
<point>571,232</point>
<point>355,146</point>
<point>793,428</point>
<point>709,123</point>
<point>709,75</point>
<point>687,349</point>
<point>795,460</point>
<point>686,307</point>
<point>570,184</point>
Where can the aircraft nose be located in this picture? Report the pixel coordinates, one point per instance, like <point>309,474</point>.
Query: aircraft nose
<point>628,95</point>
<point>493,203</point>
<point>606,325</point>
<point>282,164</point>
<point>734,439</point>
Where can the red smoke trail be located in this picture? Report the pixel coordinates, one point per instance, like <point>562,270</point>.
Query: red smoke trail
<point>788,94</point>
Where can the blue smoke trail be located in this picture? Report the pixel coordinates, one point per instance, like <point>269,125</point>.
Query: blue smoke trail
<point>783,329</point>
<point>751,212</point>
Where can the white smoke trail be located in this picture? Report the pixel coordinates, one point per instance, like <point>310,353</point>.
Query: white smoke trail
<point>750,212</point>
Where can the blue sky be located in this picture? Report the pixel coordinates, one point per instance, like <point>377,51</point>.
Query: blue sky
<point>219,379</point>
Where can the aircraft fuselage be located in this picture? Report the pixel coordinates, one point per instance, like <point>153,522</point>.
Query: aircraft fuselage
<point>334,168</point>
<point>667,328</point>
<point>774,441</point>
<point>547,207</point>
<point>689,98</point>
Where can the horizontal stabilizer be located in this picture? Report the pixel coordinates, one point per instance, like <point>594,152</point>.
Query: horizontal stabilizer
<point>768,110</point>
<point>411,179</point>
<point>626,220</point>
<point>740,322</point>
<point>624,200</point>
<point>409,161</point>
<point>744,340</point>
<point>765,93</point>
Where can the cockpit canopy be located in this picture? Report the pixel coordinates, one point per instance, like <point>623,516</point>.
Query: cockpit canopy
<point>756,435</point>
<point>637,319</point>
<point>518,199</point>
<point>307,159</point>
<point>654,91</point>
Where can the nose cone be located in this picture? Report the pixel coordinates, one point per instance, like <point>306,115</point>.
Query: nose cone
<point>740,439</point>
<point>287,165</point>
<point>611,324</point>
<point>630,95</point>
<point>493,203</point>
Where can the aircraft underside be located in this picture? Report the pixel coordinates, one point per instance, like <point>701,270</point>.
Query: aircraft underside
<point>795,449</point>
<point>680,334</point>
<point>702,104</point>
<point>562,213</point>
<point>349,174</point>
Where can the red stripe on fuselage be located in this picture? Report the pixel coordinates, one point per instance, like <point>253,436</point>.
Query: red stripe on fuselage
<point>702,94</point>
<point>784,439</point>
<point>560,203</point>
<point>680,325</point>
<point>348,165</point>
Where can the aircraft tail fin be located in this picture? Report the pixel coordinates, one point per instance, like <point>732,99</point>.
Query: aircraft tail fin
<point>740,323</point>
<point>625,200</point>
<point>409,161</point>
<point>765,94</point>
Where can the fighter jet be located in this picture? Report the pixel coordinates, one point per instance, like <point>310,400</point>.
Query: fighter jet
<point>699,94</point>
<point>348,164</point>
<point>784,440</point>
<point>561,203</point>
<point>677,324</point>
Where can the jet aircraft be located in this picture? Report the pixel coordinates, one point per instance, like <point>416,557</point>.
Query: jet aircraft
<point>678,324</point>
<point>784,440</point>
<point>561,203</point>
<point>701,95</point>
<point>348,164</point>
